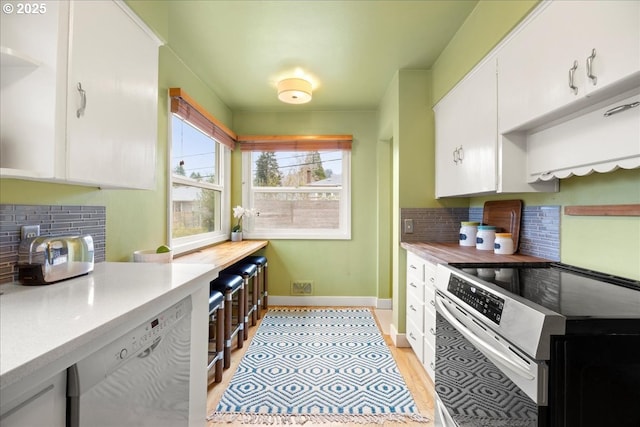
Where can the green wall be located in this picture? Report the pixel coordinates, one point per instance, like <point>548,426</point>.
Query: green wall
<point>337,267</point>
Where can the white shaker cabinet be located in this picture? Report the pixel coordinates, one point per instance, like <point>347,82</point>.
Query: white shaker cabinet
<point>429,355</point>
<point>42,404</point>
<point>32,96</point>
<point>112,97</point>
<point>415,304</point>
<point>420,310</point>
<point>85,111</point>
<point>569,55</point>
<point>466,135</point>
<point>471,158</point>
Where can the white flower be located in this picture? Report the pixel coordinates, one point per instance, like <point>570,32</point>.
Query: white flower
<point>240,212</point>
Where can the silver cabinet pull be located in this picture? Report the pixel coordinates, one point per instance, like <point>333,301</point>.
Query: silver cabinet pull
<point>83,101</point>
<point>593,78</point>
<point>455,156</point>
<point>572,72</point>
<point>460,153</point>
<point>620,109</point>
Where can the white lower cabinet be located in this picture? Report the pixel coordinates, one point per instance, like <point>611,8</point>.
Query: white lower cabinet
<point>420,310</point>
<point>43,404</point>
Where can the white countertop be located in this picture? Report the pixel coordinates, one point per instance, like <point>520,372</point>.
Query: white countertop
<point>48,325</point>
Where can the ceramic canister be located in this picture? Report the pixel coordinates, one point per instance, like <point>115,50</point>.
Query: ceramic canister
<point>468,230</point>
<point>503,244</point>
<point>485,238</point>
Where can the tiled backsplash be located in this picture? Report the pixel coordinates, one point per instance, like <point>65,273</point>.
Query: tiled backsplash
<point>54,221</point>
<point>539,228</point>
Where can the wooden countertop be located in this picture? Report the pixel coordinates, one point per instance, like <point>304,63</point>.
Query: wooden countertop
<point>223,254</point>
<point>447,253</point>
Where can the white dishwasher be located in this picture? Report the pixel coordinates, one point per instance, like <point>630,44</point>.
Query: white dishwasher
<point>140,379</point>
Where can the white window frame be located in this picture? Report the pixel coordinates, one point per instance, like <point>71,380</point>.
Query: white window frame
<point>342,233</point>
<point>190,243</point>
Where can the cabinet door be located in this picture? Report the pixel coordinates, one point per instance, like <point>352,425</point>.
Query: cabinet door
<point>613,30</point>
<point>113,72</point>
<point>32,97</point>
<point>466,135</point>
<point>534,67</point>
<point>43,404</point>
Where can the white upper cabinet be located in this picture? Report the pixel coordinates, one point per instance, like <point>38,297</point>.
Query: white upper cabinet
<point>571,54</point>
<point>471,158</point>
<point>33,90</point>
<point>113,98</point>
<point>84,108</point>
<point>466,135</point>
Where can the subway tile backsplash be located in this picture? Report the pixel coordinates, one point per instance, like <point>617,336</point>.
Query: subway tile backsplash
<point>54,220</point>
<point>539,228</point>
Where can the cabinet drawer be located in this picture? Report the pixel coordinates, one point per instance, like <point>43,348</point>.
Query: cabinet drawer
<point>416,340</point>
<point>415,312</point>
<point>430,330</point>
<point>429,359</point>
<point>415,267</point>
<point>430,276</point>
<point>415,290</point>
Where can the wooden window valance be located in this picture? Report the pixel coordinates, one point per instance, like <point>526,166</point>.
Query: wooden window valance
<point>294,142</point>
<point>190,111</point>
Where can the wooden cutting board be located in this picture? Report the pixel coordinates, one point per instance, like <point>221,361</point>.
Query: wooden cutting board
<point>506,216</point>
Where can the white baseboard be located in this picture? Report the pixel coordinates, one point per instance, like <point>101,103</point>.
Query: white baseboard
<point>385,304</point>
<point>315,301</point>
<point>399,340</point>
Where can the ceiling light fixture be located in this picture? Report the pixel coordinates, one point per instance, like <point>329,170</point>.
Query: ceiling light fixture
<point>294,91</point>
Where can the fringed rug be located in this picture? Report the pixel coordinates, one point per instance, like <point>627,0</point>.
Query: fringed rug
<point>317,366</point>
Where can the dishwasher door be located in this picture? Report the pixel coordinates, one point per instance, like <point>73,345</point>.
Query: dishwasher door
<point>140,379</point>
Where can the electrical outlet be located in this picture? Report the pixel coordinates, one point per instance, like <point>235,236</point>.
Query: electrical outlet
<point>27,231</point>
<point>408,226</point>
<point>302,287</point>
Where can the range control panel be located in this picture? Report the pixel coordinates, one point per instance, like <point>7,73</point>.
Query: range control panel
<point>481,300</point>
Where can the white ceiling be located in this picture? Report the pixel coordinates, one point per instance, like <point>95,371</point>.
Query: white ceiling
<point>349,49</point>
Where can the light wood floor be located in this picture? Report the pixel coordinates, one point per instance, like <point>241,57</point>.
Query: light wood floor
<point>416,378</point>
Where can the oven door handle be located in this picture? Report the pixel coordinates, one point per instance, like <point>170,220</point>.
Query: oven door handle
<point>498,356</point>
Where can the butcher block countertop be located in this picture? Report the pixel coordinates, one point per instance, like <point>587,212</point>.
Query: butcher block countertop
<point>448,253</point>
<point>224,254</point>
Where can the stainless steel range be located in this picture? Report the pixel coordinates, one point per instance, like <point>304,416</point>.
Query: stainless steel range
<point>536,345</point>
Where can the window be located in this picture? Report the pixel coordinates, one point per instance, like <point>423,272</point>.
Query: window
<point>199,200</point>
<point>300,191</point>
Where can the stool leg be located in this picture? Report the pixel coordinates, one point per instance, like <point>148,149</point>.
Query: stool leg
<point>242,302</point>
<point>246,280</point>
<point>265,280</point>
<point>228,313</point>
<point>259,292</point>
<point>254,300</point>
<point>219,342</point>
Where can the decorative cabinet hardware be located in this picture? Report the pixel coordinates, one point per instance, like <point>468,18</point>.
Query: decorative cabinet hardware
<point>572,73</point>
<point>458,155</point>
<point>590,74</point>
<point>83,101</point>
<point>621,108</point>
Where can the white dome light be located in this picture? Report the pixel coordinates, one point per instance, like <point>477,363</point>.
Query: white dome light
<point>294,91</point>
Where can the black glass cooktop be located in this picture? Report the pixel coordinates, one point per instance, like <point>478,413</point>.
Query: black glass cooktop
<point>571,291</point>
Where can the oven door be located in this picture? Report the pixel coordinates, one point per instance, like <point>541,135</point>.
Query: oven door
<point>477,375</point>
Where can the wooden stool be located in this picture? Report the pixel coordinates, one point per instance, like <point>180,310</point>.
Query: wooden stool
<point>232,286</point>
<point>216,336</point>
<point>249,273</point>
<point>261,263</point>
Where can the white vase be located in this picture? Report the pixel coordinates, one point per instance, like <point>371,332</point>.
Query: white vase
<point>236,236</point>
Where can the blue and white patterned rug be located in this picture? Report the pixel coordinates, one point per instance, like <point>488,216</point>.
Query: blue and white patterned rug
<point>318,366</point>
